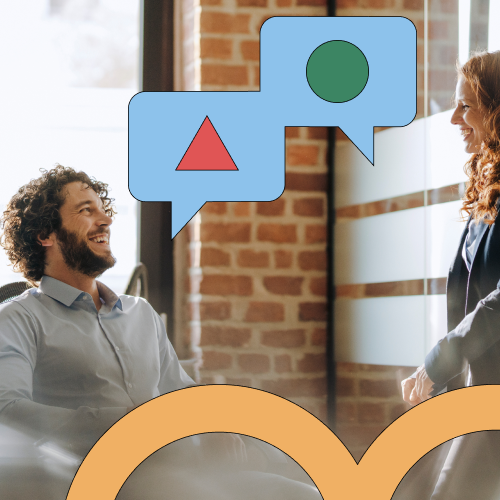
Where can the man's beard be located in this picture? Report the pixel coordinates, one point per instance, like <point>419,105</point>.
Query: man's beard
<point>78,255</point>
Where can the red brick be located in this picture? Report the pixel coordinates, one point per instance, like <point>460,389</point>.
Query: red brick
<point>224,74</point>
<point>306,182</point>
<point>215,310</point>
<point>283,285</point>
<point>397,410</point>
<point>277,233</point>
<point>218,284</point>
<point>313,311</point>
<point>282,363</point>
<point>378,388</point>
<point>214,207</point>
<point>210,2</point>
<point>318,286</point>
<point>213,360</point>
<point>345,386</point>
<point>311,362</point>
<point>310,207</point>
<point>414,4</point>
<point>242,208</point>
<point>214,257</point>
<point>226,336</point>
<point>449,6</point>
<point>250,258</point>
<point>244,382</point>
<point>207,380</point>
<point>219,22</point>
<point>256,76</point>
<point>283,259</point>
<point>317,132</point>
<point>438,30</point>
<point>343,367</point>
<point>346,4</point>
<point>319,337</point>
<point>340,135</point>
<point>252,3</point>
<point>345,412</point>
<point>283,338</point>
<point>302,155</point>
<point>292,132</point>
<point>276,207</point>
<point>283,3</point>
<point>380,4</point>
<point>219,48</point>
<point>314,3</point>
<point>265,312</point>
<point>358,435</point>
<point>297,387</point>
<point>254,363</point>
<point>225,233</point>
<point>371,413</point>
<point>250,50</point>
<point>312,260</point>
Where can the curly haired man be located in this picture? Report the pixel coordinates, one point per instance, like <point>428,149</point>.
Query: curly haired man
<point>75,357</point>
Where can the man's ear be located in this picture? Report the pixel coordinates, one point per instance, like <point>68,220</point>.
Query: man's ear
<point>46,242</point>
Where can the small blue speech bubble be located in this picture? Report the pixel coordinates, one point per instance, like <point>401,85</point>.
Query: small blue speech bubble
<point>193,147</point>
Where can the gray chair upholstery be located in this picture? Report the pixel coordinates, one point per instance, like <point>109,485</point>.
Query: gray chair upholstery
<point>12,290</point>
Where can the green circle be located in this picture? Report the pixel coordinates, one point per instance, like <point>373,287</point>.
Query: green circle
<point>337,71</point>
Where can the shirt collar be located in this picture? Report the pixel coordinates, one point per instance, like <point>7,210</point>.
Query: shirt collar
<point>67,294</point>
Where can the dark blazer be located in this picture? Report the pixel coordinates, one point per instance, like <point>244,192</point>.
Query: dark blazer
<point>473,303</point>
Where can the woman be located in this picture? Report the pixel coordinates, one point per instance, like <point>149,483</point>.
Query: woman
<point>470,353</point>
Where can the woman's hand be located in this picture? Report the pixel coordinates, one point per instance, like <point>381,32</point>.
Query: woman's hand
<point>417,389</point>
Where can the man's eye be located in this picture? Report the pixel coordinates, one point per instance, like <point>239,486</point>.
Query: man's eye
<point>464,107</point>
<point>86,208</point>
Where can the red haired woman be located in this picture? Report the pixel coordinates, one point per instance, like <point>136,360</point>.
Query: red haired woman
<point>470,353</point>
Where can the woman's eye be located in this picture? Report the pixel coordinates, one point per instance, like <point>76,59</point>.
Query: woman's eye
<point>465,107</point>
<point>86,208</point>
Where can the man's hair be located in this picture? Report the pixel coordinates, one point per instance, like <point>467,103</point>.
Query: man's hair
<point>34,211</point>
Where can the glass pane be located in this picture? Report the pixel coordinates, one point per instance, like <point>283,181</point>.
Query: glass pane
<point>69,70</point>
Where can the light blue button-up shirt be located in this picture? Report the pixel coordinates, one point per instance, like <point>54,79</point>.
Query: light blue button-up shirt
<point>68,370</point>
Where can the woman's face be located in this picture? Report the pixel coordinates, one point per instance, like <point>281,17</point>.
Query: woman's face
<point>469,117</point>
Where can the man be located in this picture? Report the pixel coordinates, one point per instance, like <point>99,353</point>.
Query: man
<point>75,357</point>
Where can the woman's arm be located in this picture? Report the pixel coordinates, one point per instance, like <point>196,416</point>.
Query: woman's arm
<point>476,333</point>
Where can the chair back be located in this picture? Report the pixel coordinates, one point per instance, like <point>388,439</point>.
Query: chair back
<point>138,282</point>
<point>12,290</point>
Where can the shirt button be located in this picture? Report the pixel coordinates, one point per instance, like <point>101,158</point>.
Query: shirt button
<point>84,297</point>
<point>117,348</point>
<point>130,385</point>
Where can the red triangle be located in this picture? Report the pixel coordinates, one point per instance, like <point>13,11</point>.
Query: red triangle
<point>206,151</point>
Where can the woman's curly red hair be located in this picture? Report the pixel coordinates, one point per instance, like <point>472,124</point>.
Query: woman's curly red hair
<point>482,72</point>
<point>34,211</point>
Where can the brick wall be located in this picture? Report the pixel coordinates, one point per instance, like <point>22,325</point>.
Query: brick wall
<point>255,280</point>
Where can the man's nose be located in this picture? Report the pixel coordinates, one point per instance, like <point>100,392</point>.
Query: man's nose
<point>104,219</point>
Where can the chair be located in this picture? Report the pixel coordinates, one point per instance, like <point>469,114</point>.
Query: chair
<point>138,282</point>
<point>12,290</point>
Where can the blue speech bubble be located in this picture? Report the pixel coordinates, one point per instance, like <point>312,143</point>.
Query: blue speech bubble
<point>175,152</point>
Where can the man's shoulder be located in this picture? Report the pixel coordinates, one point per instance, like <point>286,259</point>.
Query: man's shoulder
<point>131,302</point>
<point>18,306</point>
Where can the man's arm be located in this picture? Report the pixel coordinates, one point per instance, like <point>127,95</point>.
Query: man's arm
<point>172,375</point>
<point>476,333</point>
<point>77,429</point>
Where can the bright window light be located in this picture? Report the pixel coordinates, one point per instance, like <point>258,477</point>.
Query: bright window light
<point>493,31</point>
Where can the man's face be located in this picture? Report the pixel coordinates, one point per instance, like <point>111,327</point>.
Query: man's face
<point>84,235</point>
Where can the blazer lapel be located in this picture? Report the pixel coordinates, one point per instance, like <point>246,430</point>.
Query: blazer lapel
<point>456,284</point>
